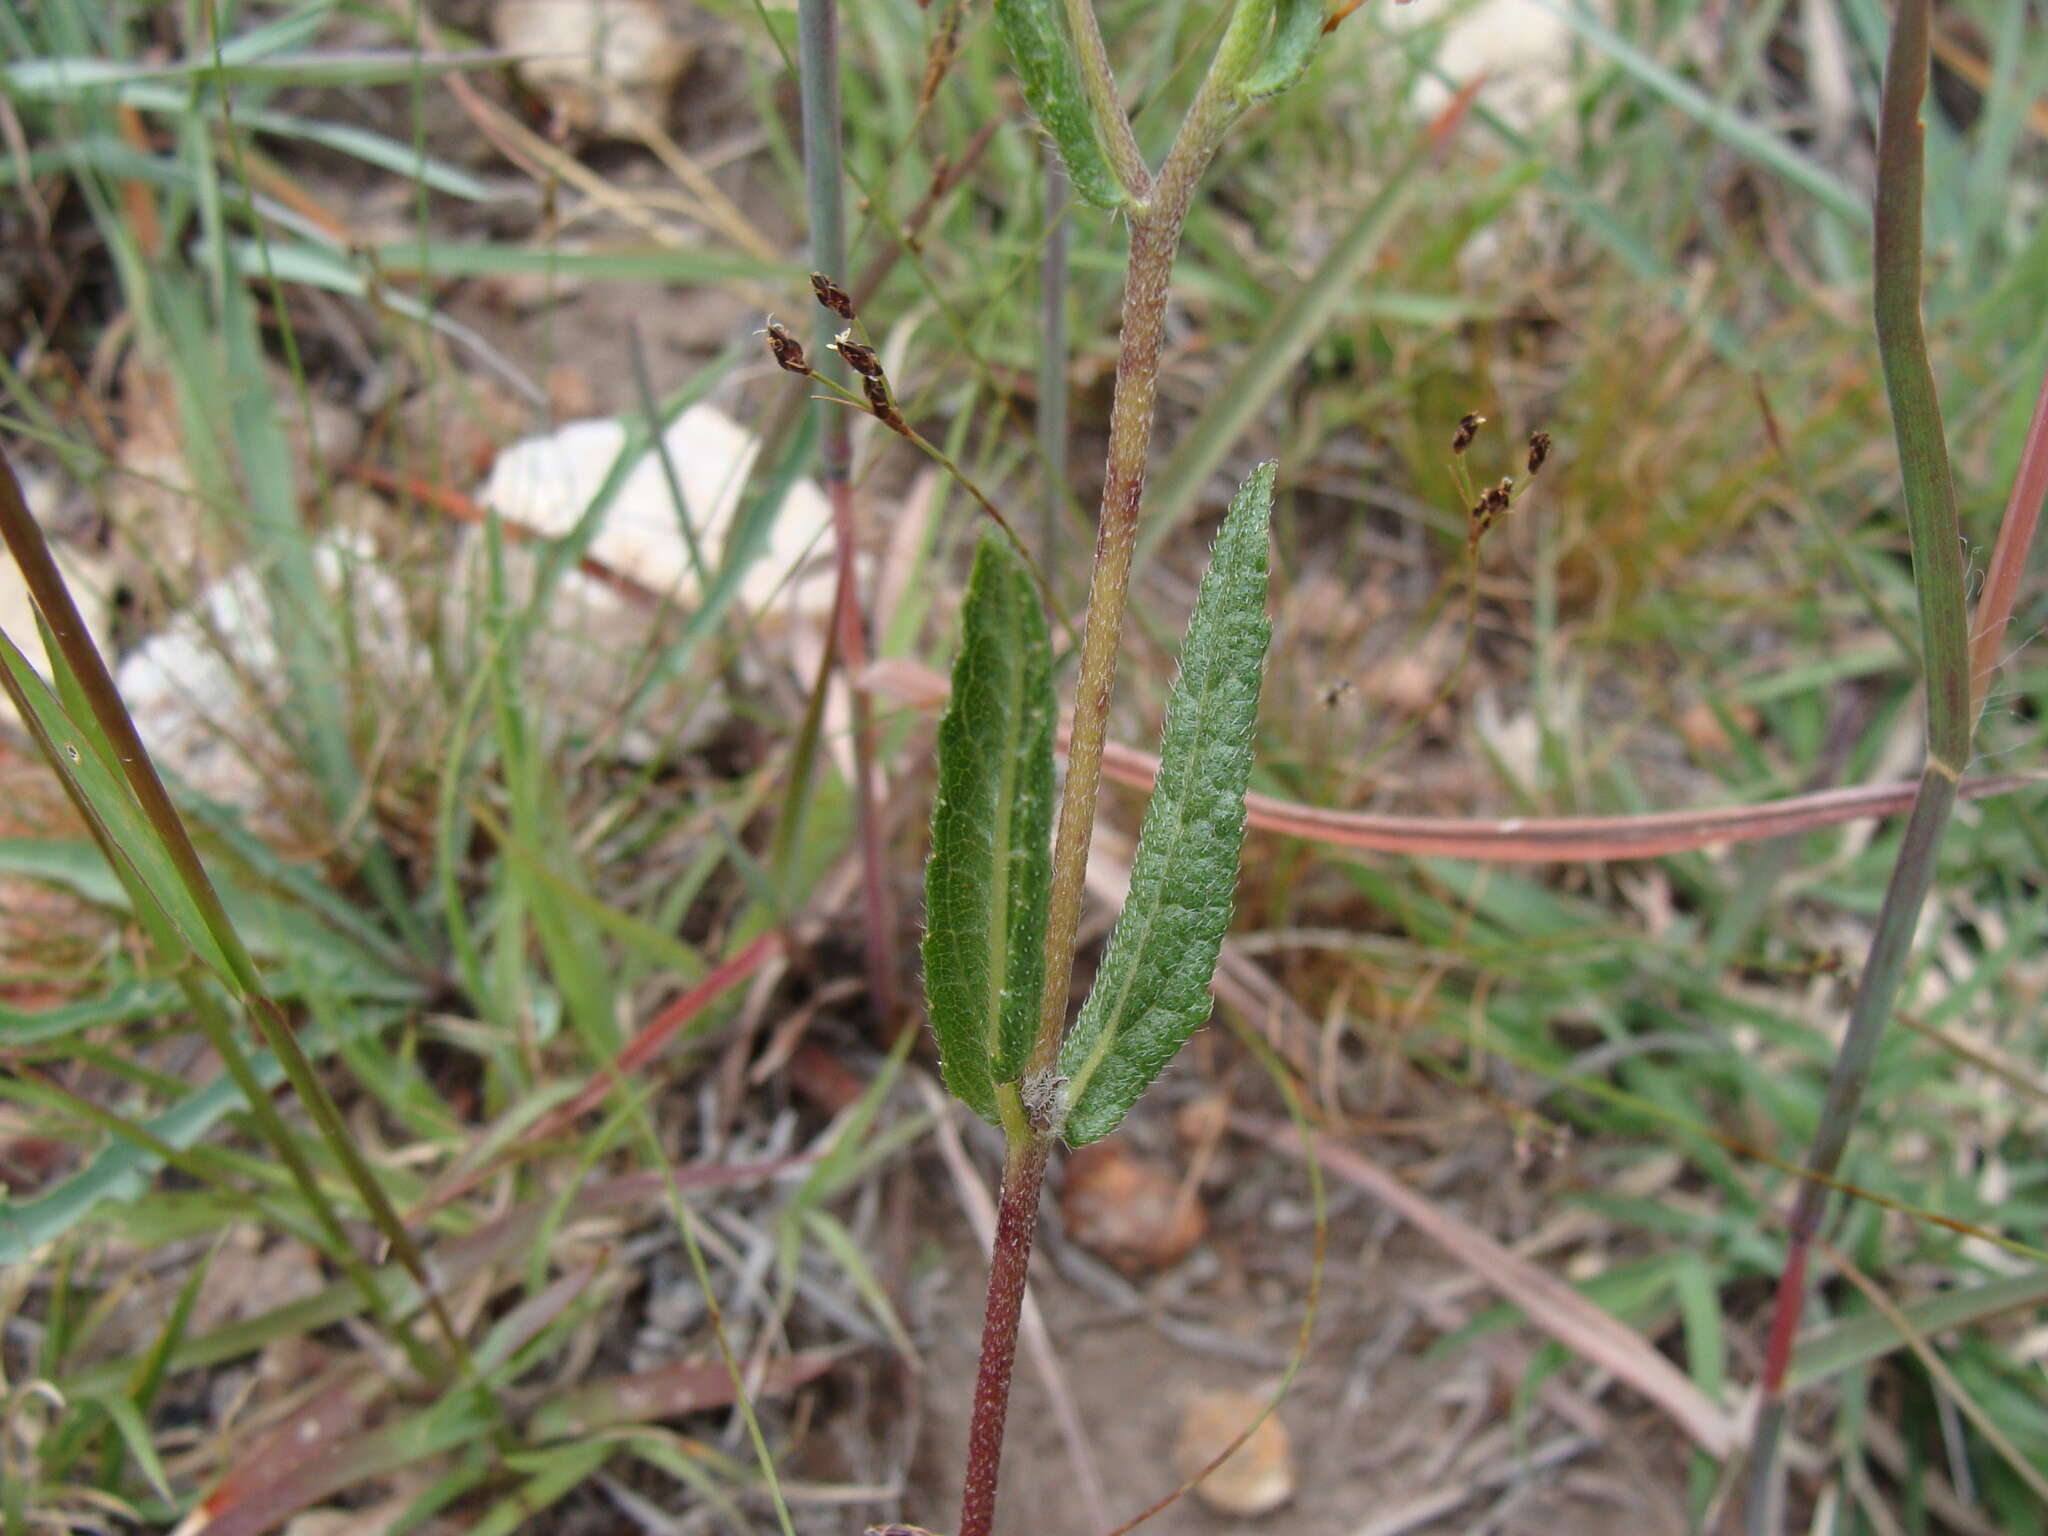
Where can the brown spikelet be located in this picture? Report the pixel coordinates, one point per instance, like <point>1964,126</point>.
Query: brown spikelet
<point>787,351</point>
<point>876,388</point>
<point>1468,428</point>
<point>862,359</point>
<point>832,296</point>
<point>1539,450</point>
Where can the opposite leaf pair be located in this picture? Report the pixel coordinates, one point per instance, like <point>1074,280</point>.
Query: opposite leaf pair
<point>990,876</point>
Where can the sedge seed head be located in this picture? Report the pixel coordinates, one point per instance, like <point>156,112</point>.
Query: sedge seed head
<point>832,296</point>
<point>860,357</point>
<point>783,346</point>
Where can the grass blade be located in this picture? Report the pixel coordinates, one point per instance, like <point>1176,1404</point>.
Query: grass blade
<point>1737,132</point>
<point>1278,352</point>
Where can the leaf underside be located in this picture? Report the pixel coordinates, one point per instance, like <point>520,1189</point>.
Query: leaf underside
<point>1038,46</point>
<point>1152,990</point>
<point>1297,28</point>
<point>990,873</point>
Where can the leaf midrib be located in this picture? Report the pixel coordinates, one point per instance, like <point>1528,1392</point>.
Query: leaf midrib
<point>1006,795</point>
<point>1113,1026</point>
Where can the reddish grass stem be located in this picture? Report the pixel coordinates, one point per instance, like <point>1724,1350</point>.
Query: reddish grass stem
<point>2009,554</point>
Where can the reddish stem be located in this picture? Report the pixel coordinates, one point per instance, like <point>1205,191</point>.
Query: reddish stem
<point>1009,1261</point>
<point>2009,555</point>
<point>1785,1324</point>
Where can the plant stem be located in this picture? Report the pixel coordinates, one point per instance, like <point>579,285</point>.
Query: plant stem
<point>1938,580</point>
<point>818,82</point>
<point>1009,1262</point>
<point>1153,240</point>
<point>1148,274</point>
<point>1156,218</point>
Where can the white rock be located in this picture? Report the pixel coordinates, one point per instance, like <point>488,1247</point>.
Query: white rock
<point>205,689</point>
<point>545,484</point>
<point>1523,50</point>
<point>594,638</point>
<point>604,66</point>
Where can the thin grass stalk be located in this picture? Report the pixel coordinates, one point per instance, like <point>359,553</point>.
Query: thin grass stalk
<point>1155,224</point>
<point>1938,580</point>
<point>339,775</point>
<point>214,1024</point>
<point>1052,359</point>
<point>824,182</point>
<point>24,539</point>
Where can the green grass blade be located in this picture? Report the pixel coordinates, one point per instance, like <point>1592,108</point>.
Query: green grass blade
<point>1734,130</point>
<point>1916,409</point>
<point>64,78</point>
<point>990,873</point>
<point>1274,357</point>
<point>121,1171</point>
<point>1857,1341</point>
<point>1152,990</point>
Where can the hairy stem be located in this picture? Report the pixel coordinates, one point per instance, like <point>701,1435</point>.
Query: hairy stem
<point>1153,241</point>
<point>1155,222</point>
<point>1009,1262</point>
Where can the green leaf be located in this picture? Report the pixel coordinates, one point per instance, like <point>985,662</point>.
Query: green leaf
<point>1849,1342</point>
<point>1044,57</point>
<point>1296,31</point>
<point>1152,991</point>
<point>990,874</point>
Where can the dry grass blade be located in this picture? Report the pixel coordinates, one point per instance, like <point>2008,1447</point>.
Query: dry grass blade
<point>672,1390</point>
<point>2009,554</point>
<point>1548,1302</point>
<point>1516,840</point>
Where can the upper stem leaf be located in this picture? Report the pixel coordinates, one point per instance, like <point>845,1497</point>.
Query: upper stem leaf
<point>990,874</point>
<point>1297,28</point>
<point>1152,990</point>
<point>1051,77</point>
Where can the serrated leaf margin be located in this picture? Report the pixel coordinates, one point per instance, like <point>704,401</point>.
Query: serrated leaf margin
<point>1152,989</point>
